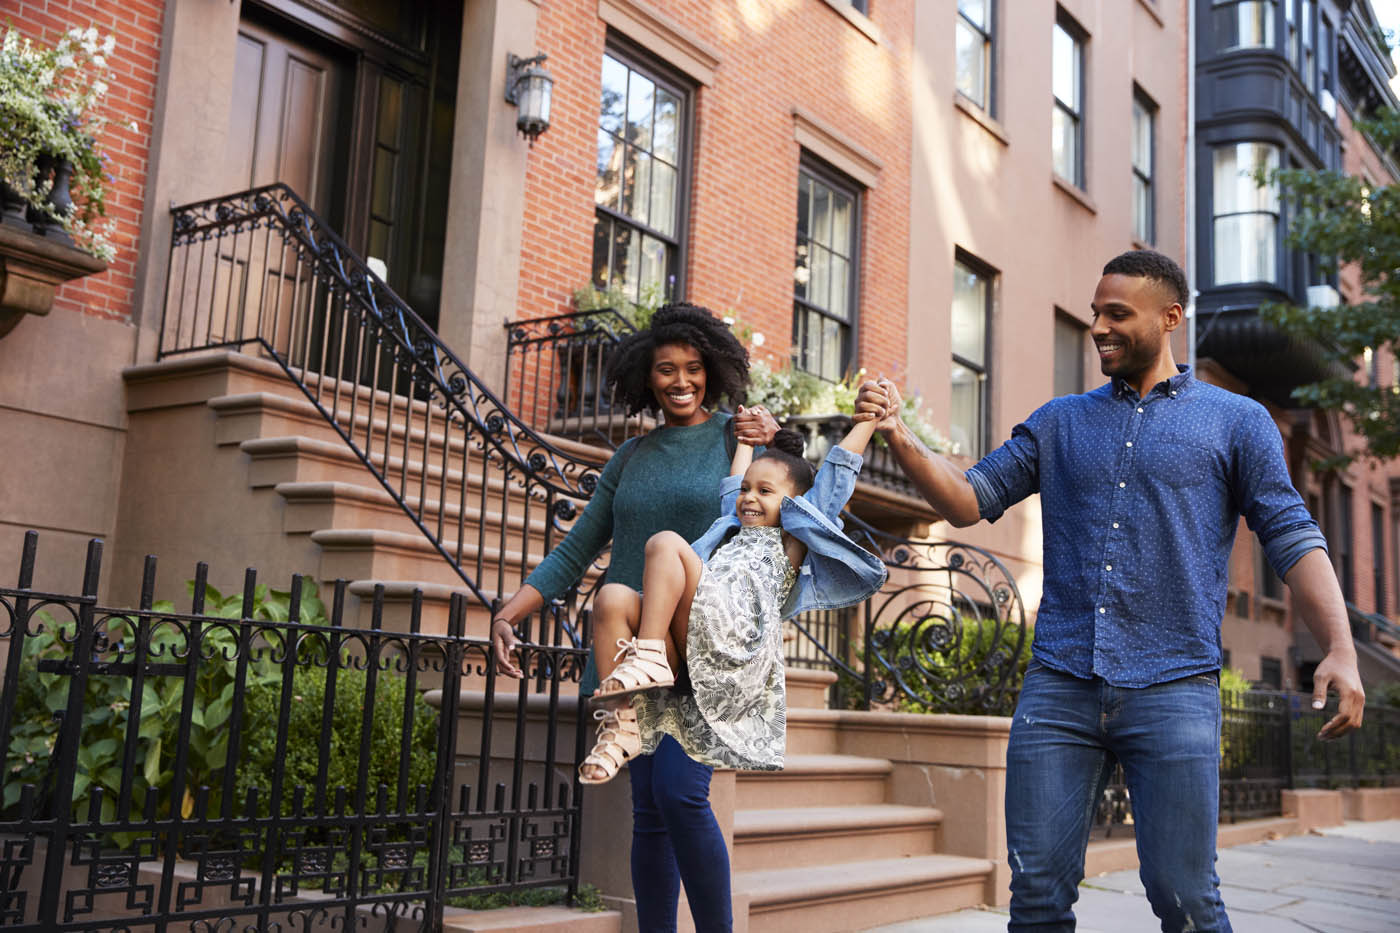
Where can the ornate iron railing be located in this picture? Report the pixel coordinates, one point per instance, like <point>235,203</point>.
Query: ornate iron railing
<point>555,376</point>
<point>258,271</point>
<point>244,767</point>
<point>1268,744</point>
<point>947,633</point>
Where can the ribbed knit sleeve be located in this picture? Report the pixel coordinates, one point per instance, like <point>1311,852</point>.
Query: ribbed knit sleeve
<point>570,559</point>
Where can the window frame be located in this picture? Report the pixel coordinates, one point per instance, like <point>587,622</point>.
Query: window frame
<point>989,69</point>
<point>671,79</point>
<point>983,370</point>
<point>1270,25</point>
<point>1064,318</point>
<point>1279,260</point>
<point>1143,101</point>
<point>823,173</point>
<point>1080,37</point>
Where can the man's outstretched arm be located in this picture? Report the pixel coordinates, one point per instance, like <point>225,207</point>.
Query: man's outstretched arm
<point>937,479</point>
<point>1318,598</point>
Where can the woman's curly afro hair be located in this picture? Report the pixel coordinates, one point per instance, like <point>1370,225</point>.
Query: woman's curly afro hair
<point>725,359</point>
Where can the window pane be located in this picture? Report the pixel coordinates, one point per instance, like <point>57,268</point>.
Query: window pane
<point>640,93</point>
<point>839,305</point>
<point>1235,185</point>
<point>1142,210</point>
<point>831,363</point>
<point>969,315</point>
<point>971,50</point>
<point>1069,356</point>
<point>802,269</point>
<point>819,285</point>
<point>966,411</point>
<point>1142,138</point>
<point>841,217</point>
<point>1065,57</point>
<point>609,190</point>
<point>821,214</point>
<point>652,277</point>
<point>1245,25</point>
<point>390,112</point>
<point>663,197</point>
<point>804,208</point>
<point>1245,248</point>
<point>382,200</point>
<point>666,139</point>
<point>976,10</point>
<point>636,186</point>
<point>614,95</point>
<point>1064,145</point>
<point>602,252</point>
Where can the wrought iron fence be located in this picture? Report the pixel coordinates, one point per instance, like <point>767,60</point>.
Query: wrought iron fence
<point>555,376</point>
<point>258,271</point>
<point>947,633</point>
<point>270,770</point>
<point>1268,744</point>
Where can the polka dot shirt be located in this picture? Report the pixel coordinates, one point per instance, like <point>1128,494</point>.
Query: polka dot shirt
<point>1141,498</point>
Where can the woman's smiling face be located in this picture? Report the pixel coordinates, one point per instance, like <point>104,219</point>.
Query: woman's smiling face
<point>677,379</point>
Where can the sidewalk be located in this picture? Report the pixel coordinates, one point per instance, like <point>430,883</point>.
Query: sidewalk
<point>1346,880</point>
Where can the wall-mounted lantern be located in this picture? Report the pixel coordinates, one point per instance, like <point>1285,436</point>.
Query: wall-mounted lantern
<point>528,87</point>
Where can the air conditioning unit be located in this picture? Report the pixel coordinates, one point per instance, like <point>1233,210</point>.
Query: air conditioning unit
<point>1323,296</point>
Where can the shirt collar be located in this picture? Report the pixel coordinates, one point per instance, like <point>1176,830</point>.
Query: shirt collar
<point>1174,387</point>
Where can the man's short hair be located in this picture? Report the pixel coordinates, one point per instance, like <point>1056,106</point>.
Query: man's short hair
<point>1150,264</point>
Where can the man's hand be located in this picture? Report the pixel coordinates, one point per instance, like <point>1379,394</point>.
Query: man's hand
<point>1341,674</point>
<point>755,426</point>
<point>879,401</point>
<point>503,642</point>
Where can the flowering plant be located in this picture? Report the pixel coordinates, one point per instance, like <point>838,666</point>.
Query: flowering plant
<point>51,105</point>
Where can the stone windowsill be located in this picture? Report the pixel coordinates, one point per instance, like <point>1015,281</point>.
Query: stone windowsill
<point>32,267</point>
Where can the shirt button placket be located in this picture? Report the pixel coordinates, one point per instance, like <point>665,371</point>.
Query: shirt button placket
<point>1118,500</point>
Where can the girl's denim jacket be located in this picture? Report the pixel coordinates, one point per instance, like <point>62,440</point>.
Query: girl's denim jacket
<point>836,572</point>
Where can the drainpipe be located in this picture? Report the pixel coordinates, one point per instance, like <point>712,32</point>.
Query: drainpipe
<point>1191,186</point>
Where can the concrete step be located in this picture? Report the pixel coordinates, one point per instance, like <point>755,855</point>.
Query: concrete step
<point>812,731</point>
<point>808,688</point>
<point>531,920</point>
<point>821,836</point>
<point>815,781</point>
<point>857,895</point>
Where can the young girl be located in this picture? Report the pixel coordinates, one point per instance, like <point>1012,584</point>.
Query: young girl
<point>717,607</point>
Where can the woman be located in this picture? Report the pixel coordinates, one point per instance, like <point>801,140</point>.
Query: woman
<point>679,367</point>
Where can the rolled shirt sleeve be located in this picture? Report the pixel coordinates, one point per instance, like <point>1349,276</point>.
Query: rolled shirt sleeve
<point>1011,472</point>
<point>1264,492</point>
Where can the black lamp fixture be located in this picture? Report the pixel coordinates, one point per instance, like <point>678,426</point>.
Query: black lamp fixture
<point>528,87</point>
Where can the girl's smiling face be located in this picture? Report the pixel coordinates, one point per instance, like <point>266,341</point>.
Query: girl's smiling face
<point>761,492</point>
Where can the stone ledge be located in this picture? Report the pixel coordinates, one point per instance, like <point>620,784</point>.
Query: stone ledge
<point>31,270</point>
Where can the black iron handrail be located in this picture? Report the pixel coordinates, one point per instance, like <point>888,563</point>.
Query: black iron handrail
<point>947,632</point>
<point>261,269</point>
<point>226,766</point>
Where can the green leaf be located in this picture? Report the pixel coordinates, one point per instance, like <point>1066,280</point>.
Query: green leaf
<point>151,767</point>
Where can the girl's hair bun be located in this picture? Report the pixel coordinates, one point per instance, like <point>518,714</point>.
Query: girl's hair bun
<point>789,442</point>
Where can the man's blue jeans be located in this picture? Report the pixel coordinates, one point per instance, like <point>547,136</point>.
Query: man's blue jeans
<point>675,839</point>
<point>1064,739</point>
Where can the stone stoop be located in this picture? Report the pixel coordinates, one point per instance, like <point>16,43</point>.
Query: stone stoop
<point>293,497</point>
<point>531,920</point>
<point>819,846</point>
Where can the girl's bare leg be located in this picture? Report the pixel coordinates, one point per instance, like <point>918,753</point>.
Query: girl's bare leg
<point>616,611</point>
<point>668,585</point>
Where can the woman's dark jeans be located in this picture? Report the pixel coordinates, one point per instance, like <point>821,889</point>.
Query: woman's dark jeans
<point>676,839</point>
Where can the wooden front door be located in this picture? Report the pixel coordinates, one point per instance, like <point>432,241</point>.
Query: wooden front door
<point>289,119</point>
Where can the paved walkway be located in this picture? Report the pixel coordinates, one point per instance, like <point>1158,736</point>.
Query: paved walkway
<point>1345,880</point>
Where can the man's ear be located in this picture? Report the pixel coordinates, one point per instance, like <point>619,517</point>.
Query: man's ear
<point>1172,317</point>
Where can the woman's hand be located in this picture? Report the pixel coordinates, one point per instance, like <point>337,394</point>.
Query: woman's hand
<point>503,642</point>
<point>755,426</point>
<point>878,400</point>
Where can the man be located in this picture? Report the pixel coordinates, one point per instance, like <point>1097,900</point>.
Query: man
<point>1142,482</point>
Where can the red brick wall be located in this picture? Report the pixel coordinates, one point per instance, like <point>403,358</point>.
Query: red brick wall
<point>742,221</point>
<point>137,25</point>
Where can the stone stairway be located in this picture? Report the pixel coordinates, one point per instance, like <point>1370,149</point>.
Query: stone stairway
<point>240,469</point>
<point>820,846</point>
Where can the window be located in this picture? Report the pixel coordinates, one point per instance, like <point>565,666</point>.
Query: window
<point>1305,64</point>
<point>824,274</point>
<point>1326,53</point>
<point>1266,583</point>
<point>1069,354</point>
<point>974,51</point>
<point>1243,24</point>
<point>1067,83</point>
<point>641,180</point>
<point>1340,543</point>
<point>1378,555</point>
<point>1144,146</point>
<point>1271,673</point>
<point>1245,221</point>
<point>972,315</point>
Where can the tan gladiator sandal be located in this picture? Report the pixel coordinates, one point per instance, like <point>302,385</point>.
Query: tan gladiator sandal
<point>619,740</point>
<point>644,666</point>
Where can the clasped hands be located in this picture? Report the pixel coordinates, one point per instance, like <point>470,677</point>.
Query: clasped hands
<point>878,400</point>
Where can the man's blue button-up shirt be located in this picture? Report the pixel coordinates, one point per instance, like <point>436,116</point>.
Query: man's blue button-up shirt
<point>1141,499</point>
